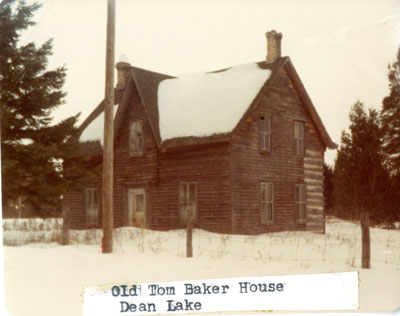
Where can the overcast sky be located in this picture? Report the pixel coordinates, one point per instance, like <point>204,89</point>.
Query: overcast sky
<point>340,48</point>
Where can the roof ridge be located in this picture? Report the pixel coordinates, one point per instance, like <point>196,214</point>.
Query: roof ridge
<point>151,71</point>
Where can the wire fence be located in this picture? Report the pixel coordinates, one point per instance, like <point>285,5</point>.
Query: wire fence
<point>341,244</point>
<point>338,245</point>
<point>319,250</point>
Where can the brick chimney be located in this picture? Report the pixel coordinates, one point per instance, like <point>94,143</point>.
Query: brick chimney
<point>273,46</point>
<point>123,68</point>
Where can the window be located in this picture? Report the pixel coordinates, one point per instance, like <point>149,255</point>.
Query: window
<point>136,209</point>
<point>136,138</point>
<point>267,202</point>
<point>187,201</point>
<point>300,202</point>
<point>299,136</point>
<point>92,207</point>
<point>265,133</point>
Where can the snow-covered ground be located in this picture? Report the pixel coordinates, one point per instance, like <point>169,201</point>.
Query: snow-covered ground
<point>43,277</point>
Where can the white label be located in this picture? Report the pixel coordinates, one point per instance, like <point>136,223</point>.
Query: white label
<point>333,291</point>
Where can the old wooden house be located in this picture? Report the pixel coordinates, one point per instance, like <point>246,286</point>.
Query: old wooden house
<point>241,149</point>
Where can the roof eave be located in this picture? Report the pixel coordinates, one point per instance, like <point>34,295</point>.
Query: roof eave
<point>124,101</point>
<point>309,105</point>
<point>191,141</point>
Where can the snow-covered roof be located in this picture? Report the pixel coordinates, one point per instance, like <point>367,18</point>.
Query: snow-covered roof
<point>197,108</point>
<point>95,130</point>
<point>207,103</point>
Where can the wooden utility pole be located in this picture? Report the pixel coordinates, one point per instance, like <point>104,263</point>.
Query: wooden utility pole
<point>366,243</point>
<point>108,220</point>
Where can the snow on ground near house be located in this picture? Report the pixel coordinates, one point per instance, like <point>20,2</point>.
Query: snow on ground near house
<point>40,277</point>
<point>95,130</point>
<point>208,103</point>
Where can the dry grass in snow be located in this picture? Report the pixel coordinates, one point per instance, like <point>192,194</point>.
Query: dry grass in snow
<point>44,276</point>
<point>21,231</point>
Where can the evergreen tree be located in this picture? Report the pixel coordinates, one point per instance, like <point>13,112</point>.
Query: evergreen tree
<point>32,150</point>
<point>360,178</point>
<point>391,118</point>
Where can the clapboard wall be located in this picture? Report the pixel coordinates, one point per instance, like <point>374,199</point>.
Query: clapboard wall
<point>280,165</point>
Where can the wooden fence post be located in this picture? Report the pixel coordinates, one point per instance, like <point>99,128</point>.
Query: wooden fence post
<point>189,244</point>
<point>366,242</point>
<point>65,228</point>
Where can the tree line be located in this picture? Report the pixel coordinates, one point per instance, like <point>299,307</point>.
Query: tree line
<point>366,172</point>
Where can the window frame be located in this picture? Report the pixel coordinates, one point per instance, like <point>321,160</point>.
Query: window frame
<point>299,139</point>
<point>298,202</point>
<point>186,202</point>
<point>92,217</point>
<point>265,219</point>
<point>131,203</point>
<point>264,135</point>
<point>140,152</point>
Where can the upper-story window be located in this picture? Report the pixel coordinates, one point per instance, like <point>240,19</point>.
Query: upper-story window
<point>136,138</point>
<point>265,132</point>
<point>299,136</point>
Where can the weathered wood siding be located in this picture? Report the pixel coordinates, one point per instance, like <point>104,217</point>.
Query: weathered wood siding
<point>77,204</point>
<point>133,172</point>
<point>161,172</point>
<point>281,165</point>
<point>208,166</point>
<point>314,179</point>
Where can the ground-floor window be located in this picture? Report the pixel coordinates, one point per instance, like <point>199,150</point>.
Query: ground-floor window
<point>300,202</point>
<point>267,202</point>
<point>92,207</point>
<point>187,201</point>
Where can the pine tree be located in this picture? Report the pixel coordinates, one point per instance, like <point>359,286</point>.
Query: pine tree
<point>32,150</point>
<point>391,118</point>
<point>360,178</point>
